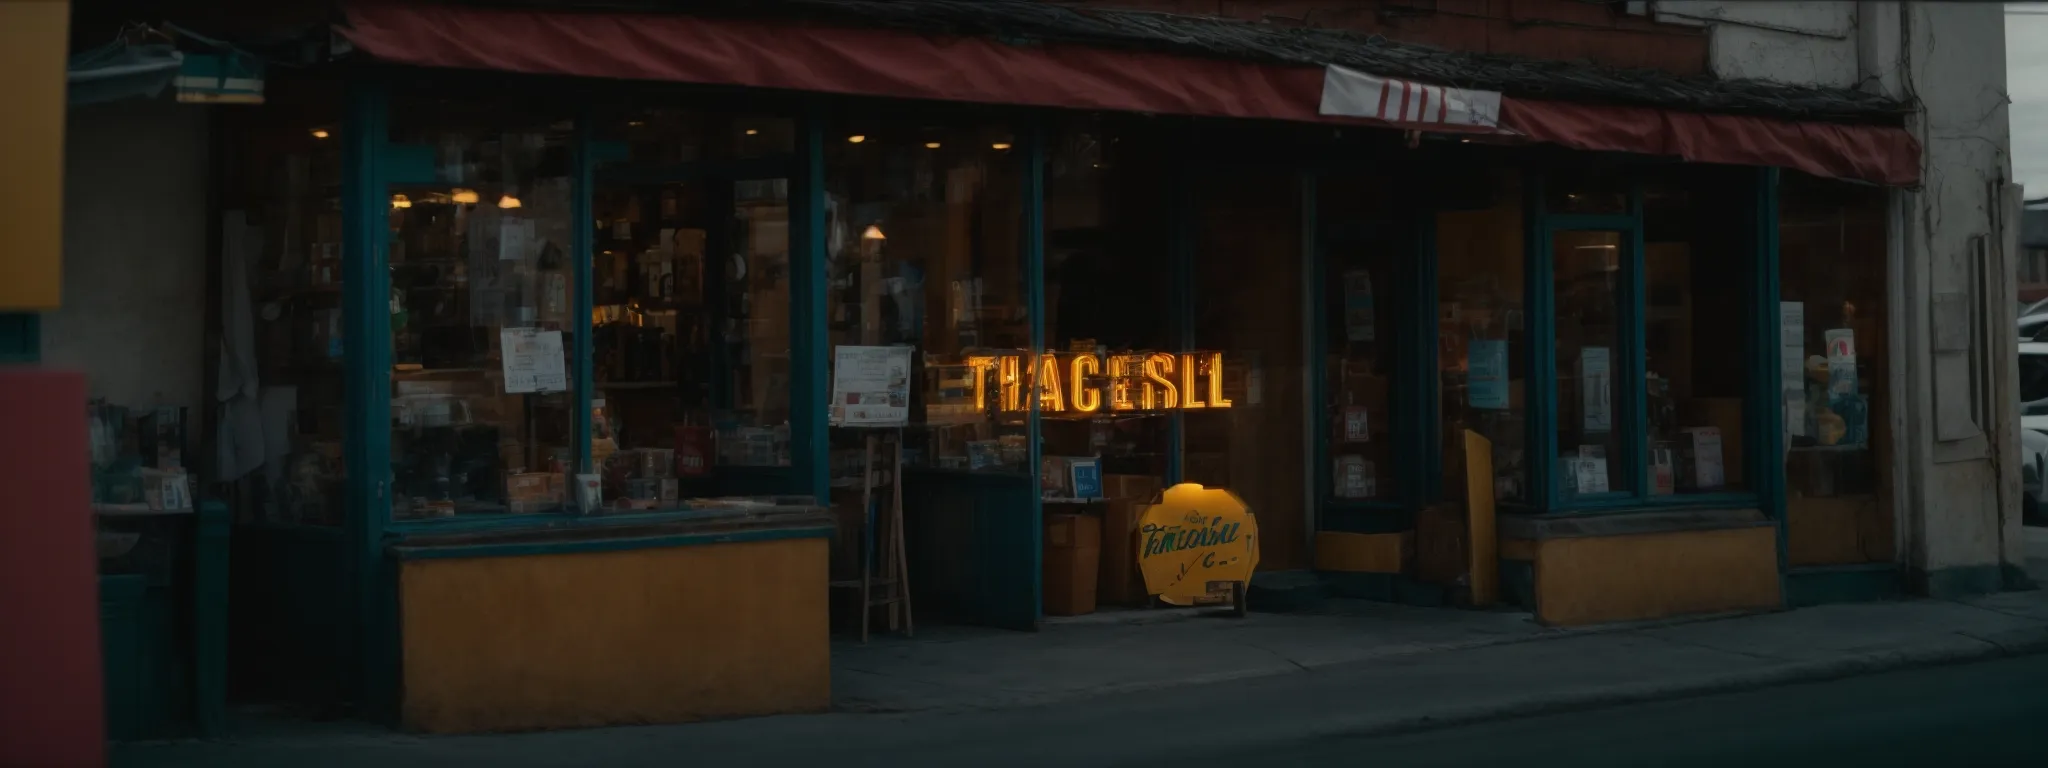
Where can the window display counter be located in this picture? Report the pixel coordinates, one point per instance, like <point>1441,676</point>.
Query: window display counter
<point>717,611</point>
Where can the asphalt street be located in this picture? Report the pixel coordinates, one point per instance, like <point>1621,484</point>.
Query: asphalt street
<point>1988,714</point>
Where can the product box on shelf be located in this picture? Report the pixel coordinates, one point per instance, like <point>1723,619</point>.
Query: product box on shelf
<point>1073,552</point>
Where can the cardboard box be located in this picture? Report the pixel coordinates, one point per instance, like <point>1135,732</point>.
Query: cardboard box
<point>1119,582</point>
<point>1073,555</point>
<point>1139,488</point>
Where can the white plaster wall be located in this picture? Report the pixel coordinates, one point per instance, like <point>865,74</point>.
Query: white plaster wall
<point>1808,42</point>
<point>1958,485</point>
<point>135,224</point>
<point>1960,497</point>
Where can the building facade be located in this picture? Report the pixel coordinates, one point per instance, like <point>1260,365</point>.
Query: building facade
<point>1612,311</point>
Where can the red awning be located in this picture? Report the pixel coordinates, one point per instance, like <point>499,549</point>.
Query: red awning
<point>892,63</point>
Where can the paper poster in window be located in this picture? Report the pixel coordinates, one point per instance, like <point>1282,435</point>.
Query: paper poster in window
<point>1596,389</point>
<point>1357,424</point>
<point>870,386</point>
<point>1792,365</point>
<point>1486,366</point>
<point>1841,361</point>
<point>533,360</point>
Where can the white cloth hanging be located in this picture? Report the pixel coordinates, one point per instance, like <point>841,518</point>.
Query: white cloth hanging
<point>238,441</point>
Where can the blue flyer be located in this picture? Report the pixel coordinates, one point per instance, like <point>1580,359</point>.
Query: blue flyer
<point>1486,367</point>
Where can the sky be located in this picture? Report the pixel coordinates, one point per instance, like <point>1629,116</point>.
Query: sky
<point>2026,79</point>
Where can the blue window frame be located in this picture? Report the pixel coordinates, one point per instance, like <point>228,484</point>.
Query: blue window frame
<point>1610,219</point>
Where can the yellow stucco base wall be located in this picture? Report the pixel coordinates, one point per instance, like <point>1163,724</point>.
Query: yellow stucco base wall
<point>1596,579</point>
<point>642,636</point>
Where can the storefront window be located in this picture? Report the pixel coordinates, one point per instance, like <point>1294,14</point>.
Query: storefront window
<point>284,178</point>
<point>924,232</point>
<point>1698,268</point>
<point>1248,307</point>
<point>690,282</point>
<point>1482,361</point>
<point>1587,296</point>
<point>479,256</point>
<point>1363,249</point>
<point>1834,344</point>
<point>1108,296</point>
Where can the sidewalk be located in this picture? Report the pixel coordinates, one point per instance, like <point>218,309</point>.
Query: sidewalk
<point>1120,688</point>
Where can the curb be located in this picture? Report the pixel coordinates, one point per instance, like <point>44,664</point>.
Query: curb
<point>2010,644</point>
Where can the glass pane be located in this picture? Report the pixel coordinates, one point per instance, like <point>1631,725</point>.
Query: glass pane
<point>1482,369</point>
<point>1587,291</point>
<point>1248,308</point>
<point>1363,247</point>
<point>1833,335</point>
<point>481,291</point>
<point>1586,191</point>
<point>1698,276</point>
<point>924,225</point>
<point>690,290</point>
<point>1108,296</point>
<point>287,183</point>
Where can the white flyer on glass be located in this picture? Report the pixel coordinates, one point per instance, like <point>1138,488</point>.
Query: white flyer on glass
<point>533,360</point>
<point>870,386</point>
<point>1792,365</point>
<point>1595,389</point>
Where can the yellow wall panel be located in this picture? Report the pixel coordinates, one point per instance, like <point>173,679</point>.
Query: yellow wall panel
<point>33,39</point>
<point>1596,579</point>
<point>641,636</point>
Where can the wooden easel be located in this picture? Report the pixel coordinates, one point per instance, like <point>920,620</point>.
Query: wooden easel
<point>893,576</point>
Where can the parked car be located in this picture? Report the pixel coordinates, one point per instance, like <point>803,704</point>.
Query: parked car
<point>2034,427</point>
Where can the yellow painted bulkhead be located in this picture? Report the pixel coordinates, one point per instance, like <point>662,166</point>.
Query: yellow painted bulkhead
<point>657,635</point>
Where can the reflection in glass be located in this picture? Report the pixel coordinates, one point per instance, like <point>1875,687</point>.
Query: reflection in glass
<point>1480,338</point>
<point>1363,247</point>
<point>1698,273</point>
<point>1108,296</point>
<point>1587,267</point>
<point>923,233</point>
<point>1834,343</point>
<point>480,315</point>
<point>691,303</point>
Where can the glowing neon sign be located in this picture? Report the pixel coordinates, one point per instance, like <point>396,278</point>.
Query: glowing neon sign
<point>1089,383</point>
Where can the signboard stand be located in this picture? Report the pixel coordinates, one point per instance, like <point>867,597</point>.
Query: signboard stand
<point>870,392</point>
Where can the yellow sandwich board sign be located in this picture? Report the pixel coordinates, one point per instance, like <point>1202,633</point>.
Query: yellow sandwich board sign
<point>1197,545</point>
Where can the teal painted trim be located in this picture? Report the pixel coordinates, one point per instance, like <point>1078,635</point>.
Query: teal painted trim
<point>1764,416</point>
<point>1620,503</point>
<point>452,526</point>
<point>810,437</point>
<point>582,248</point>
<point>1808,587</point>
<point>621,544</point>
<point>1539,396</point>
<point>366,343</point>
<point>1034,297</point>
<point>214,524</point>
<point>1634,355</point>
<point>408,164</point>
<point>21,337</point>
